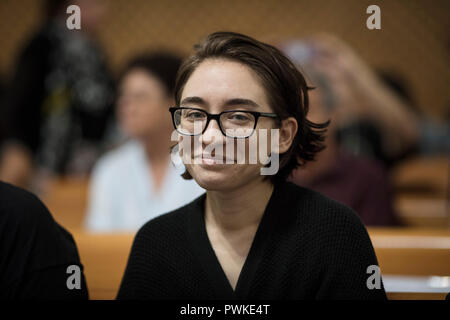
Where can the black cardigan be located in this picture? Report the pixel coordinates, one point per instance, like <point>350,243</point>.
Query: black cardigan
<point>307,246</point>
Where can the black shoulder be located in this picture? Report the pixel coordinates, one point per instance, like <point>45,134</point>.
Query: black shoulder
<point>25,221</point>
<point>325,221</point>
<point>35,250</point>
<point>316,209</point>
<point>171,224</point>
<point>18,206</point>
<point>337,243</point>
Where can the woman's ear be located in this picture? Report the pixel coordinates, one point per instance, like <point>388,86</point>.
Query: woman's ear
<point>288,130</point>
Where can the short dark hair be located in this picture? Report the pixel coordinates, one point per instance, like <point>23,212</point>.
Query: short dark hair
<point>162,65</point>
<point>285,86</point>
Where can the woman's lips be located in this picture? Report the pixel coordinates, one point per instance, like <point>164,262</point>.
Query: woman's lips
<point>209,160</point>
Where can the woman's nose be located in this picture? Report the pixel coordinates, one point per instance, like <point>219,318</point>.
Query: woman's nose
<point>212,133</point>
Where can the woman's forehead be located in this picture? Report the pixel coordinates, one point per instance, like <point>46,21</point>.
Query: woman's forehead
<point>219,80</point>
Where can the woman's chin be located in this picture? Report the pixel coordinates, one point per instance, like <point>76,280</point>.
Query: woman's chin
<point>223,177</point>
<point>212,177</point>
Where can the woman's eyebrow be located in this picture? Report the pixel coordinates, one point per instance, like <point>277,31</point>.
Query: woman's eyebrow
<point>194,100</point>
<point>241,102</point>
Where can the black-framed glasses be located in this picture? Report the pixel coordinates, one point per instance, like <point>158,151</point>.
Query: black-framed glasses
<point>232,123</point>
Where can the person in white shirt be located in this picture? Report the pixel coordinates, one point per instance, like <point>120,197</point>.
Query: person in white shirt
<point>138,181</point>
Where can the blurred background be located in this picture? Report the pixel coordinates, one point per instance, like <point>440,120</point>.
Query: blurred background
<point>69,99</point>
<point>414,39</point>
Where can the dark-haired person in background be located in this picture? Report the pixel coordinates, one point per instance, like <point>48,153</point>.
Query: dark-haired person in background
<point>137,181</point>
<point>38,258</point>
<point>250,236</point>
<point>59,101</point>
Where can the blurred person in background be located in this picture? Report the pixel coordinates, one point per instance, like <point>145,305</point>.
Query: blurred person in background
<point>378,117</point>
<point>373,120</point>
<point>375,117</point>
<point>59,102</point>
<point>357,181</point>
<point>138,181</point>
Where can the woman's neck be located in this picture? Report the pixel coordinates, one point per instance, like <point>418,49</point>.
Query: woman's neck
<point>238,209</point>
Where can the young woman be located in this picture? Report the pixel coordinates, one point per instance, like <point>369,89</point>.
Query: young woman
<point>251,236</point>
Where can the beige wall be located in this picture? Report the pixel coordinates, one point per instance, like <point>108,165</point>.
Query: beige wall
<point>414,39</point>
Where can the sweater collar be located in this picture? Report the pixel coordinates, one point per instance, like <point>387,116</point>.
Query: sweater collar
<point>204,251</point>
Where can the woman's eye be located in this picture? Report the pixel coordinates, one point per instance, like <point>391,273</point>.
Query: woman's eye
<point>195,115</point>
<point>239,117</point>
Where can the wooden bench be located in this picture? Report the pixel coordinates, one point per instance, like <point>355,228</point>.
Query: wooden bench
<point>422,191</point>
<point>67,199</point>
<point>104,257</point>
<point>420,211</point>
<point>412,251</point>
<point>422,176</point>
<point>416,295</point>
